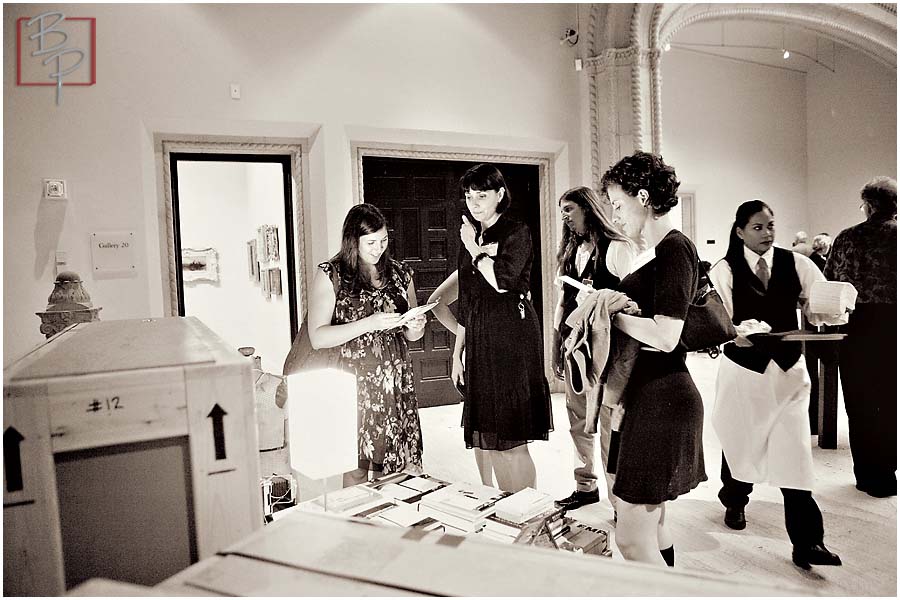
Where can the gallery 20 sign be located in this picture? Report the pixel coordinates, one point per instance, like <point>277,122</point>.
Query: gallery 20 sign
<point>55,50</point>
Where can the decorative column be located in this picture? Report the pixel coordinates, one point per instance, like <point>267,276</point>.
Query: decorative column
<point>624,90</point>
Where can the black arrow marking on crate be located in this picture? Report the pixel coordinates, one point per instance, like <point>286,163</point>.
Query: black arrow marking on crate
<point>216,415</point>
<point>12,459</point>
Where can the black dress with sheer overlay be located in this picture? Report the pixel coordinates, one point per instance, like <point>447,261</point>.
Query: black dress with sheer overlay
<point>507,398</point>
<point>661,443</point>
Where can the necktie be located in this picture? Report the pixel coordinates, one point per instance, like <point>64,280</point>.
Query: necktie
<point>762,271</point>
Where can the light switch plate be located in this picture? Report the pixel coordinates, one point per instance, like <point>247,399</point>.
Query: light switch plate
<point>235,91</point>
<point>55,189</point>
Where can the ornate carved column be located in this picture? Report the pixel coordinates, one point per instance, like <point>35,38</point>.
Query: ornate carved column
<point>624,83</point>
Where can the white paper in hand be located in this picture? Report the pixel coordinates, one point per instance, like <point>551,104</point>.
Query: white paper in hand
<point>415,312</point>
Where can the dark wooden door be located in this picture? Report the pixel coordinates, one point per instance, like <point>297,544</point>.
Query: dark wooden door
<point>423,205</point>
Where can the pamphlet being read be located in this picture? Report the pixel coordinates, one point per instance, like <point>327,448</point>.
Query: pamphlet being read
<point>415,312</point>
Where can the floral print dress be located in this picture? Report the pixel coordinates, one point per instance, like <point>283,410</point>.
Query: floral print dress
<point>389,435</point>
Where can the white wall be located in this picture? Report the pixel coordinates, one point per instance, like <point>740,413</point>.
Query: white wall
<point>735,131</point>
<point>852,132</point>
<point>485,76</point>
<point>221,205</point>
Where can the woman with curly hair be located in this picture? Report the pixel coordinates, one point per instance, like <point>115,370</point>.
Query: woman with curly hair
<point>661,445</point>
<point>594,252</point>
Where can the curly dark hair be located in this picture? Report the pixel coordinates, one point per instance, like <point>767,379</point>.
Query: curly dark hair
<point>645,171</point>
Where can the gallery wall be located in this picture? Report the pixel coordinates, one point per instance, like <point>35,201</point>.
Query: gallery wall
<point>486,77</point>
<point>804,143</point>
<point>221,205</point>
<point>852,136</point>
<point>735,131</point>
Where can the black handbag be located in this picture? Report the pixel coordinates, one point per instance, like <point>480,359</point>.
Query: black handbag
<point>707,324</point>
<point>303,357</point>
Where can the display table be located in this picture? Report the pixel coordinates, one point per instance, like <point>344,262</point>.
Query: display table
<point>306,554</point>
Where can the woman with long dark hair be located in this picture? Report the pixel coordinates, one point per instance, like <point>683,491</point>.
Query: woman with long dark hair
<point>363,318</point>
<point>593,252</point>
<point>762,389</point>
<point>661,449</point>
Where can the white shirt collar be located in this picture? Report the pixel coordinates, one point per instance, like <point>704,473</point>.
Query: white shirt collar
<point>752,258</point>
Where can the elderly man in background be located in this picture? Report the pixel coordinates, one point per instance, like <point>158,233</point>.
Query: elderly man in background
<point>866,256</point>
<point>801,244</point>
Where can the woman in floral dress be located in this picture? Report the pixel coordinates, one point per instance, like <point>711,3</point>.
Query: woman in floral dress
<point>356,301</point>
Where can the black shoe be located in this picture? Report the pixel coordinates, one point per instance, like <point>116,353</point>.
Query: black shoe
<point>734,518</point>
<point>578,499</point>
<point>817,554</point>
<point>878,489</point>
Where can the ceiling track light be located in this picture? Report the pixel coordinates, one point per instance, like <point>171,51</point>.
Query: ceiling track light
<point>667,46</point>
<point>786,54</point>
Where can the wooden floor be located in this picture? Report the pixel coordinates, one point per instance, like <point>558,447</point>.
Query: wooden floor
<point>861,529</point>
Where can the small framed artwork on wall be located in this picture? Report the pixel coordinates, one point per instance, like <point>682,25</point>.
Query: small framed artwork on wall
<point>252,264</point>
<point>199,265</point>
<point>266,289</point>
<point>275,281</point>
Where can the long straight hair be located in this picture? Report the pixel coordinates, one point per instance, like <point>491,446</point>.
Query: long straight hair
<point>735,252</point>
<point>361,220</point>
<point>597,224</point>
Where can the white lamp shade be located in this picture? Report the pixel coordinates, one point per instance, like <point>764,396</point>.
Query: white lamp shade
<point>322,413</point>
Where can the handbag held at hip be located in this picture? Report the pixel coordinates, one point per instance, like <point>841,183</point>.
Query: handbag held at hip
<point>707,323</point>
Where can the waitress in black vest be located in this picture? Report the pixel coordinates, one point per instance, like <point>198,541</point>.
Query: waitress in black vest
<point>762,390</point>
<point>594,252</point>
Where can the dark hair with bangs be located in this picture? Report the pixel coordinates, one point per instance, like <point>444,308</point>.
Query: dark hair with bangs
<point>645,171</point>
<point>483,178</point>
<point>361,220</point>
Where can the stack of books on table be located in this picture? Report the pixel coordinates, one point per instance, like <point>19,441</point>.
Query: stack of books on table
<point>585,539</point>
<point>463,506</point>
<point>503,530</point>
<point>405,487</point>
<point>523,505</point>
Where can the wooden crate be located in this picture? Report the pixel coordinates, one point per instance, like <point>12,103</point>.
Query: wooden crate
<point>110,394</point>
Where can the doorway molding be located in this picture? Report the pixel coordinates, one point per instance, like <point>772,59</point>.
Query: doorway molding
<point>543,161</point>
<point>166,144</point>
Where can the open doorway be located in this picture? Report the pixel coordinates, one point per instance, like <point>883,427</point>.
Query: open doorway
<point>234,246</point>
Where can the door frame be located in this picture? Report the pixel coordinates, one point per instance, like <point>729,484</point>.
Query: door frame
<point>544,162</point>
<point>167,144</point>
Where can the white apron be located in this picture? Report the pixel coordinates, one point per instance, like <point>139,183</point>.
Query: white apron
<point>762,422</point>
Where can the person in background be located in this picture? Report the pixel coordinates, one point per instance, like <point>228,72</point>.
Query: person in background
<point>762,390</point>
<point>661,446</point>
<point>506,399</point>
<point>865,255</point>
<point>821,245</point>
<point>801,243</point>
<point>363,319</point>
<point>593,252</point>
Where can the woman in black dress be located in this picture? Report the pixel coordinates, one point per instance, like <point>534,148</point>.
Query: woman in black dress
<point>507,399</point>
<point>661,451</point>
